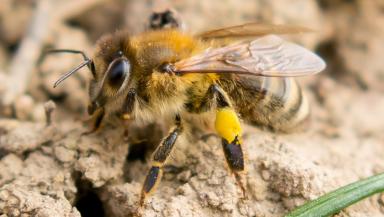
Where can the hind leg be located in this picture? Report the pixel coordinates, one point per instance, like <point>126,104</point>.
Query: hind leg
<point>228,127</point>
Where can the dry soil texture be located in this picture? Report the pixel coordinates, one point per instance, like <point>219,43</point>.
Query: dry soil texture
<point>54,170</point>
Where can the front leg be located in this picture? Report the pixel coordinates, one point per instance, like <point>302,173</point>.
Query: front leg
<point>159,158</point>
<point>228,127</point>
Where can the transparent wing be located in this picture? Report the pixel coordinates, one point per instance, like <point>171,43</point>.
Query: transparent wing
<point>266,56</point>
<point>252,29</point>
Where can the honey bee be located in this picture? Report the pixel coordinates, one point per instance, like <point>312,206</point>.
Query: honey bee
<point>239,71</point>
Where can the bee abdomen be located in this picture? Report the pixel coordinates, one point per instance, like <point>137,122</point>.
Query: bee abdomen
<point>277,103</point>
<point>285,105</point>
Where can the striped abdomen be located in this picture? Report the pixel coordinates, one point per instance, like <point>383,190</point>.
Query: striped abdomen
<point>274,102</point>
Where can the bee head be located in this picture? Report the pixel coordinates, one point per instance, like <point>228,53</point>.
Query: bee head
<point>113,62</point>
<point>110,67</point>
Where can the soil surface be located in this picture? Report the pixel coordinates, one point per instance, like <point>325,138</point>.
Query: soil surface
<point>48,167</point>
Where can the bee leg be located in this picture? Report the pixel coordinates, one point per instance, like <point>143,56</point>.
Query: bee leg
<point>228,127</point>
<point>127,109</point>
<point>97,121</point>
<point>235,159</point>
<point>159,157</point>
<point>129,102</point>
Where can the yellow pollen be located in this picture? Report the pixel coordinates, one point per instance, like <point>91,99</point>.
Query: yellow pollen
<point>227,124</point>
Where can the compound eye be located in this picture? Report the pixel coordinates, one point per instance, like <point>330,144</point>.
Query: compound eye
<point>118,71</point>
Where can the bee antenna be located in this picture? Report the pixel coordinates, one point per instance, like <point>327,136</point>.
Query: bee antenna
<point>66,75</point>
<point>87,62</point>
<point>67,51</point>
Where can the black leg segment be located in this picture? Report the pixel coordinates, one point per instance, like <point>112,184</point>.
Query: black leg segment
<point>150,180</point>
<point>129,102</point>
<point>162,152</point>
<point>234,154</point>
<point>159,158</point>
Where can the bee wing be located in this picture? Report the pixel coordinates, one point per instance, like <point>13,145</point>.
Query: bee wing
<point>266,56</point>
<point>252,29</point>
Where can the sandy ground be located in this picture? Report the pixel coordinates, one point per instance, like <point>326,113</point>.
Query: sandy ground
<point>54,170</point>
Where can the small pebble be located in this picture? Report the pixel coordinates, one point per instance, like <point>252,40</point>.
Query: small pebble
<point>64,155</point>
<point>266,175</point>
<point>213,199</point>
<point>13,201</point>
<point>185,189</point>
<point>38,113</point>
<point>4,194</point>
<point>184,176</point>
<point>15,213</point>
<point>23,107</point>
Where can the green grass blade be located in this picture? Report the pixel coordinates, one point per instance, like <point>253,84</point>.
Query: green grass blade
<point>334,201</point>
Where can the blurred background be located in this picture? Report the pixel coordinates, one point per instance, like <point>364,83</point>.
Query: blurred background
<point>347,103</point>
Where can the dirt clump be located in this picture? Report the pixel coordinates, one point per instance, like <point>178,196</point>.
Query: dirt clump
<point>50,167</point>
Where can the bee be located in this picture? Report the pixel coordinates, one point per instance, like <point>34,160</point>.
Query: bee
<point>243,71</point>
